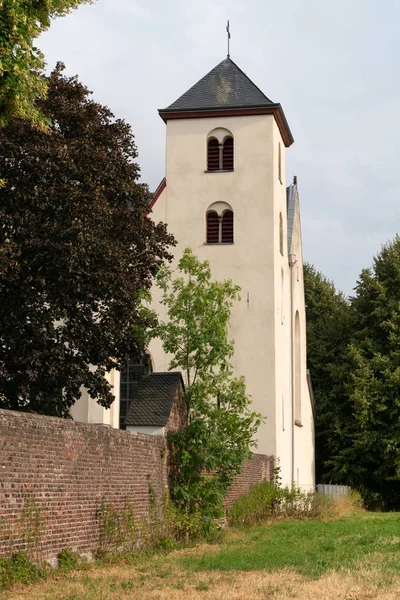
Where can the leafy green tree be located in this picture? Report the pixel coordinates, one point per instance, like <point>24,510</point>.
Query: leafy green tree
<point>210,451</point>
<point>21,63</point>
<point>77,252</point>
<point>329,330</point>
<point>370,455</point>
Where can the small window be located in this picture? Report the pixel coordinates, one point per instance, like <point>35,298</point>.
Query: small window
<point>280,163</point>
<point>227,227</point>
<point>213,155</point>
<point>281,233</point>
<point>220,150</point>
<point>219,224</point>
<point>212,227</point>
<point>227,154</point>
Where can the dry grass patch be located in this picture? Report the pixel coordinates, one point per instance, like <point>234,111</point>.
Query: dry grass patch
<point>127,584</point>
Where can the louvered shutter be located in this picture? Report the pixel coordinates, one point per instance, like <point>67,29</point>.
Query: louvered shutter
<point>213,155</point>
<point>212,228</point>
<point>227,155</point>
<point>227,227</point>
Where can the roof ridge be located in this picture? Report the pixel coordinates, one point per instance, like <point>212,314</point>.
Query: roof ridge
<point>225,86</point>
<point>255,85</point>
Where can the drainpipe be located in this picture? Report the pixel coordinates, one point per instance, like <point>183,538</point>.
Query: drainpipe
<point>292,263</point>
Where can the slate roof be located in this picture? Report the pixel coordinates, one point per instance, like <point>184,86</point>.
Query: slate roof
<point>225,86</point>
<point>153,400</point>
<point>291,199</point>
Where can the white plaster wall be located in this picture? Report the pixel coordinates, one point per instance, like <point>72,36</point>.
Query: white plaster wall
<point>304,466</point>
<point>252,260</point>
<point>87,410</point>
<point>282,323</point>
<point>150,430</point>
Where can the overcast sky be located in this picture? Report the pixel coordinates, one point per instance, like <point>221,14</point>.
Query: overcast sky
<point>334,67</point>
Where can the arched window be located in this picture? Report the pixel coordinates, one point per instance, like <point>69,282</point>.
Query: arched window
<point>212,227</point>
<point>227,154</point>
<point>227,227</point>
<point>219,224</point>
<point>297,370</point>
<point>213,155</point>
<point>280,163</point>
<point>220,150</point>
<point>281,233</point>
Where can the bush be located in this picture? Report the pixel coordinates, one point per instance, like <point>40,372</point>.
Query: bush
<point>68,560</point>
<point>18,569</point>
<point>256,506</point>
<point>267,500</point>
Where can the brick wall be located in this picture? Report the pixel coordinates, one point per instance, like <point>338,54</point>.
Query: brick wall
<point>258,468</point>
<point>63,470</point>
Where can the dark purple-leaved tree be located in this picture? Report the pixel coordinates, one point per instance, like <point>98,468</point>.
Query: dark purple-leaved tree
<point>77,252</point>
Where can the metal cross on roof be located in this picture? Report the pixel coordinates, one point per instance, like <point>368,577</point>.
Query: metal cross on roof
<point>229,37</point>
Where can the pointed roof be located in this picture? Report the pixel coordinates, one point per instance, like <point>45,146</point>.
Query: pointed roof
<point>225,86</point>
<point>226,91</point>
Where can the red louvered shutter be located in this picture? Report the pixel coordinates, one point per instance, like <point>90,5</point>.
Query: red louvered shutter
<point>212,228</point>
<point>227,155</point>
<point>227,227</point>
<point>213,155</point>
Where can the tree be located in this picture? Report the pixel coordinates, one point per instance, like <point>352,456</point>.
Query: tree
<point>21,63</point>
<point>370,455</point>
<point>329,330</point>
<point>77,252</point>
<point>210,450</point>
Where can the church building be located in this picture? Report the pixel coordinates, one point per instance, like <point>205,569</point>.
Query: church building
<point>224,195</point>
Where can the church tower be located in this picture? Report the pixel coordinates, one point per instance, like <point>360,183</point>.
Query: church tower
<point>224,195</point>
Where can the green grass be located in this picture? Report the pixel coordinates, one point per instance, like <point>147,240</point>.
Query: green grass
<point>309,547</point>
<point>280,556</point>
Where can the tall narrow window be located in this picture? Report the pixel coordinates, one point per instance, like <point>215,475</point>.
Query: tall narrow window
<point>227,155</point>
<point>133,371</point>
<point>297,370</point>
<point>281,233</point>
<point>280,163</point>
<point>227,227</point>
<point>212,228</point>
<point>213,158</point>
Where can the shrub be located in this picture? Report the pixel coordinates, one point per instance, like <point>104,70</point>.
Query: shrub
<point>256,506</point>
<point>68,560</point>
<point>19,569</point>
<point>266,500</point>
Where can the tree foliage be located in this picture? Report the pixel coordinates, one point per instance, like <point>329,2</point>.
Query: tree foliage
<point>211,449</point>
<point>21,63</point>
<point>329,331</point>
<point>370,457</point>
<point>77,252</point>
<point>354,355</point>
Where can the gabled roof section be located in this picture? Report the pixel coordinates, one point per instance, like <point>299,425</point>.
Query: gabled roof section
<point>161,187</point>
<point>225,86</point>
<point>153,400</point>
<point>291,199</point>
<point>226,91</point>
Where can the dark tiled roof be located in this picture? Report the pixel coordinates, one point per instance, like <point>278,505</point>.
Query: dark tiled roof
<point>153,399</point>
<point>225,86</point>
<point>291,199</point>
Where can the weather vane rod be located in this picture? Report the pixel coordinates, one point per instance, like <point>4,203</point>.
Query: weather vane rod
<point>229,37</point>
